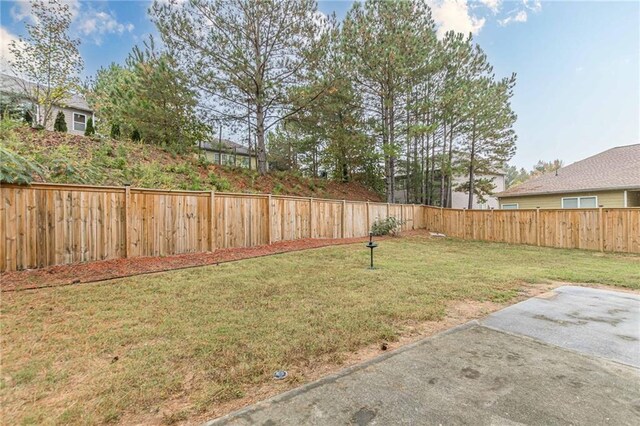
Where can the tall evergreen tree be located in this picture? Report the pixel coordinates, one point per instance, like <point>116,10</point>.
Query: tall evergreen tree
<point>246,54</point>
<point>386,43</point>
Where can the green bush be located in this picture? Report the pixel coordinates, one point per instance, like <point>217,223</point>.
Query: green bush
<point>219,183</point>
<point>115,131</point>
<point>60,125</point>
<point>89,130</point>
<point>278,188</point>
<point>388,226</point>
<point>15,168</point>
<point>67,166</point>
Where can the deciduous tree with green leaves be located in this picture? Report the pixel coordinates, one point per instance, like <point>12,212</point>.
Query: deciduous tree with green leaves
<point>47,58</point>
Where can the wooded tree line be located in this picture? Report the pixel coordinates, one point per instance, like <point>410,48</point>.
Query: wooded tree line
<point>377,97</point>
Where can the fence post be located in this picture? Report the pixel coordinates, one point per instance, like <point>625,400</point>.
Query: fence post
<point>311,217</point>
<point>269,238</point>
<point>344,217</point>
<point>538,226</point>
<point>368,220</point>
<point>127,220</point>
<point>441,230</point>
<point>387,210</point>
<point>413,225</point>
<point>212,220</point>
<point>601,226</point>
<point>464,224</point>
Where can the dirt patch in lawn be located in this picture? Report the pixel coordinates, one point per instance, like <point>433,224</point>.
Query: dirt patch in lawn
<point>78,273</point>
<point>457,313</point>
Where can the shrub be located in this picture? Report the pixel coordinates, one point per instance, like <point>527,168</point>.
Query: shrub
<point>28,117</point>
<point>388,226</point>
<point>60,125</point>
<point>219,183</point>
<point>89,130</point>
<point>115,131</point>
<point>278,188</point>
<point>15,168</point>
<point>135,135</point>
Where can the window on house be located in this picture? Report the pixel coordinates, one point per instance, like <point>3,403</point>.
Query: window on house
<point>79,122</point>
<point>579,202</point>
<point>511,206</point>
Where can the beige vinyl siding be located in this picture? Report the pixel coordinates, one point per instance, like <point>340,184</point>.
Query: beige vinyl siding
<point>605,198</point>
<point>68,117</point>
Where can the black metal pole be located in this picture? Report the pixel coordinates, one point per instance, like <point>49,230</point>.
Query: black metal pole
<point>371,257</point>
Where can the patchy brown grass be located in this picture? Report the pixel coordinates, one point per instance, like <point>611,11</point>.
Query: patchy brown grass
<point>186,345</point>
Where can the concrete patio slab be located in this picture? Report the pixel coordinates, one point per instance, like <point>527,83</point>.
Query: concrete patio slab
<point>541,362</point>
<point>595,322</point>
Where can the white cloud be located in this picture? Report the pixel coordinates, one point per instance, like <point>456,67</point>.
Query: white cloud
<point>533,5</point>
<point>90,23</point>
<point>520,16</point>
<point>5,55</point>
<point>23,10</point>
<point>97,23</point>
<point>493,5</point>
<point>455,15</point>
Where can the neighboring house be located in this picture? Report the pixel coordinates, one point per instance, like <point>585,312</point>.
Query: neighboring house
<point>226,152</point>
<point>460,199</point>
<point>608,179</point>
<point>76,110</point>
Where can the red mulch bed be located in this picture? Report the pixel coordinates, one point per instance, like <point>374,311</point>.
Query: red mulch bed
<point>60,275</point>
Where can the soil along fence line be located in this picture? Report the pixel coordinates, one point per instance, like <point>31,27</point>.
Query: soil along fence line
<point>53,224</point>
<point>604,229</point>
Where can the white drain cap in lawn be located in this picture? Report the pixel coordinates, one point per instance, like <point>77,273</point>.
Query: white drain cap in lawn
<point>280,374</point>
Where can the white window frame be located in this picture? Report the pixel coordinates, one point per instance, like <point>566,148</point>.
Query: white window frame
<point>580,202</point>
<point>517,206</point>
<point>73,118</point>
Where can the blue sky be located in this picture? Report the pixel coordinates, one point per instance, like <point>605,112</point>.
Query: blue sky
<point>578,63</point>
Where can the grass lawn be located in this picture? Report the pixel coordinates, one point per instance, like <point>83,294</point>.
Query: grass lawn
<point>178,345</point>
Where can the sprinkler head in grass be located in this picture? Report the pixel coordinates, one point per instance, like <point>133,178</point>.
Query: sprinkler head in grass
<point>280,374</point>
<point>371,245</point>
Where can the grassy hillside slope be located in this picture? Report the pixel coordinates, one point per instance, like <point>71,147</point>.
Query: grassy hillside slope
<point>65,158</point>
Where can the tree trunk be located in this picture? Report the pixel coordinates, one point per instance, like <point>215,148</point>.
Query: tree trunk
<point>262,151</point>
<point>471,168</point>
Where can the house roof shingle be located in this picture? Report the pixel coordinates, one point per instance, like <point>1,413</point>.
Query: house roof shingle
<point>15,85</point>
<point>616,168</point>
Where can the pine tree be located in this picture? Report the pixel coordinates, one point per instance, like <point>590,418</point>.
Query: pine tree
<point>245,56</point>
<point>60,125</point>
<point>386,44</point>
<point>89,130</point>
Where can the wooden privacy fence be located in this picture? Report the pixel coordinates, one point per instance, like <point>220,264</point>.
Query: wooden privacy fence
<point>52,224</point>
<point>604,229</point>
